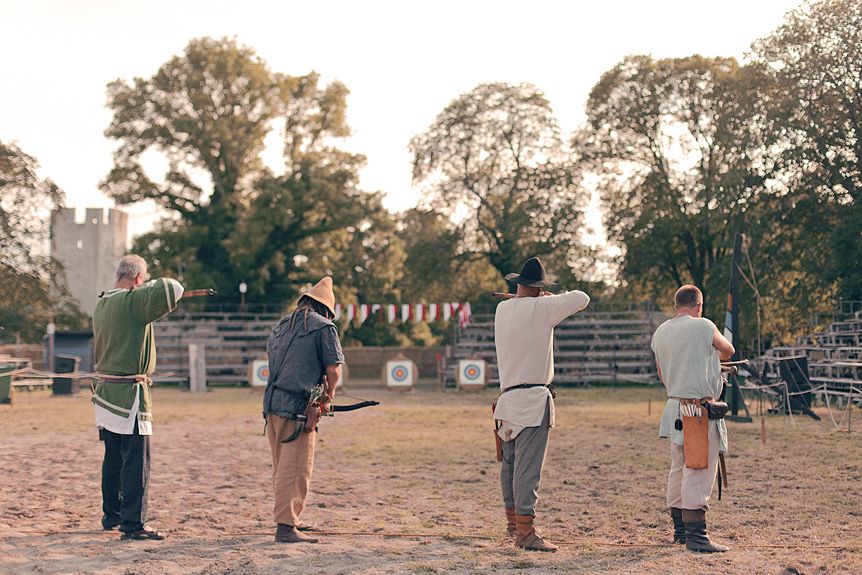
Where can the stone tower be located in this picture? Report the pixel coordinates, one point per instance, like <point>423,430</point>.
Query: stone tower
<point>89,251</point>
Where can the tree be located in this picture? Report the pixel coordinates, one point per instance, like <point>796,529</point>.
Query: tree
<point>496,158</point>
<point>816,59</point>
<point>210,110</point>
<point>32,283</point>
<point>435,271</point>
<point>207,111</point>
<point>681,157</point>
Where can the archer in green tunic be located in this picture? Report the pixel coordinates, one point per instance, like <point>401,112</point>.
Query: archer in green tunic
<point>125,354</point>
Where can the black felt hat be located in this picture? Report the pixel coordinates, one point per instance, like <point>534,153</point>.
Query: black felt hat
<point>532,275</point>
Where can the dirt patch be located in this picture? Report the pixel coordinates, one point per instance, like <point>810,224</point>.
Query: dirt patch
<point>411,486</point>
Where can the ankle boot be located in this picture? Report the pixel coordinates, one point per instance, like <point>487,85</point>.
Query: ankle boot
<point>678,525</point>
<point>289,534</point>
<point>696,538</point>
<point>527,538</point>
<point>511,530</point>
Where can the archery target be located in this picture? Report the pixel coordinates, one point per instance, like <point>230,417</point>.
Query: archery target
<point>400,373</point>
<point>258,373</point>
<point>471,373</point>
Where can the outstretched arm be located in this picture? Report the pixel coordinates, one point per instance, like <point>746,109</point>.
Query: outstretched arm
<point>724,347</point>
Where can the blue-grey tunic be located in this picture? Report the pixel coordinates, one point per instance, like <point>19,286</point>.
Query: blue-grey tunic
<point>298,359</point>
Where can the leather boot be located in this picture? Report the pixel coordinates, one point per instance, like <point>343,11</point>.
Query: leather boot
<point>527,538</point>
<point>696,538</point>
<point>678,525</point>
<point>511,530</point>
<point>287,534</point>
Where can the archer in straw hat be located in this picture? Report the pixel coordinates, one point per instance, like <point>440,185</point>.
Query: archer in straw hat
<point>524,336</point>
<point>303,350</point>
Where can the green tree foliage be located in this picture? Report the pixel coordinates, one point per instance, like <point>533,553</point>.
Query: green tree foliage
<point>679,150</point>
<point>435,271</point>
<point>495,159</point>
<point>208,111</point>
<point>816,58</point>
<point>32,284</point>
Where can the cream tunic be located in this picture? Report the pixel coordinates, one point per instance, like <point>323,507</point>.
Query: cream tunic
<point>524,336</point>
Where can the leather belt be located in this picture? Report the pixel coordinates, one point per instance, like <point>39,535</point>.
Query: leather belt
<point>127,379</point>
<point>523,386</point>
<point>694,400</point>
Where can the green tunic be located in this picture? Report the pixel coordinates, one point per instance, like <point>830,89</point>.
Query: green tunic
<point>123,345</point>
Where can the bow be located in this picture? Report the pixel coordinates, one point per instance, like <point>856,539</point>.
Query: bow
<point>198,293</point>
<point>316,408</point>
<point>352,407</point>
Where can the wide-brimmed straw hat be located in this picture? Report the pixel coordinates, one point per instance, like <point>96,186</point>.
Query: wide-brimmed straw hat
<point>532,275</point>
<point>322,292</point>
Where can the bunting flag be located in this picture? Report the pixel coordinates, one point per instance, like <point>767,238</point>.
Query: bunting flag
<point>459,312</point>
<point>464,317</point>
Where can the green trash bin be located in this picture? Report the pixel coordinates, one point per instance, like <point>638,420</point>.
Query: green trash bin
<point>6,382</point>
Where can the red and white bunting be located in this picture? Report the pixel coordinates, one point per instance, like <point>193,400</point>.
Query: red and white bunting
<point>408,312</point>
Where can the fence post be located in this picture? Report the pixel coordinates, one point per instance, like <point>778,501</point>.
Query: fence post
<point>197,368</point>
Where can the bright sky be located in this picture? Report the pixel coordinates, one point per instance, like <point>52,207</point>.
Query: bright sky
<point>402,61</point>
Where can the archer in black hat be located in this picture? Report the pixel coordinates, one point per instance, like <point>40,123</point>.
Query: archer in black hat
<point>524,339</point>
<point>532,275</point>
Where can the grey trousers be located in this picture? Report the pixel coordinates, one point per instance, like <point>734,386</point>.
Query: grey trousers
<point>521,469</point>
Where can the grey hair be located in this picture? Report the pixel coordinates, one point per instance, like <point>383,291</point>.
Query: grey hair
<point>687,296</point>
<point>131,266</point>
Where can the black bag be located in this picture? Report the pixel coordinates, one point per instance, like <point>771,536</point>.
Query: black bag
<point>715,409</point>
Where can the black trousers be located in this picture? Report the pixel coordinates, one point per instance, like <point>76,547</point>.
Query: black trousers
<point>125,479</point>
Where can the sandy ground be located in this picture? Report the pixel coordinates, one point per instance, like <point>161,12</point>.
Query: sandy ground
<point>411,486</point>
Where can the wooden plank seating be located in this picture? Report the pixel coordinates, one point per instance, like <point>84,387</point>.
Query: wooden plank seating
<point>231,342</point>
<point>602,344</point>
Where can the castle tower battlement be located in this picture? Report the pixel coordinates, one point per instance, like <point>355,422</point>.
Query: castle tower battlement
<point>89,251</point>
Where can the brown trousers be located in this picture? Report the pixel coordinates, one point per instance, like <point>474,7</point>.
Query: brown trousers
<point>292,464</point>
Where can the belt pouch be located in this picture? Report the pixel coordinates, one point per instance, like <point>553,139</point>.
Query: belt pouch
<point>716,409</point>
<point>695,434</point>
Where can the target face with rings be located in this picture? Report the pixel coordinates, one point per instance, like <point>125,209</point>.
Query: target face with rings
<point>472,372</point>
<point>399,373</point>
<point>263,372</point>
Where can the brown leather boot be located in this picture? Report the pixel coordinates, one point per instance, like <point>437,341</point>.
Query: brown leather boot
<point>696,538</point>
<point>527,538</point>
<point>288,534</point>
<point>511,530</point>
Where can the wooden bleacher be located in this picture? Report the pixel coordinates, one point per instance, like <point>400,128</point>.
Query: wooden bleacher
<point>605,343</point>
<point>231,341</point>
